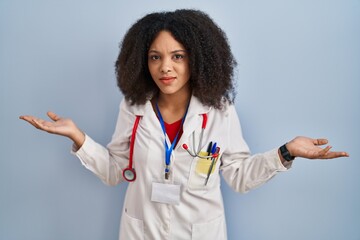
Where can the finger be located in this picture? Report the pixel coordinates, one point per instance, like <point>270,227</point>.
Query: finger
<point>324,151</point>
<point>320,153</point>
<point>42,125</point>
<point>28,119</point>
<point>37,123</point>
<point>320,141</point>
<point>331,155</point>
<point>53,116</point>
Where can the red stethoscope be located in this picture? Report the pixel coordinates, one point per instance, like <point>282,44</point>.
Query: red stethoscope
<point>129,173</point>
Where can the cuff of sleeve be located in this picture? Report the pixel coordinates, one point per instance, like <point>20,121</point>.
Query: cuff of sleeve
<point>86,151</point>
<point>75,150</point>
<point>281,166</point>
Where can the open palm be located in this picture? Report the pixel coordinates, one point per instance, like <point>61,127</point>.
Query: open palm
<point>310,148</point>
<point>60,126</point>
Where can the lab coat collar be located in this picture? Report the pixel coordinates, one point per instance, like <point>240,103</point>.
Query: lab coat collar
<point>141,109</point>
<point>195,108</point>
<point>193,119</point>
<point>192,122</point>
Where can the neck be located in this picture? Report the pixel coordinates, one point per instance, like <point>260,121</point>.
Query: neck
<point>173,106</point>
<point>174,101</point>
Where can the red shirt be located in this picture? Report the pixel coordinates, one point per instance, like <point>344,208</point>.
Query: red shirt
<point>172,129</point>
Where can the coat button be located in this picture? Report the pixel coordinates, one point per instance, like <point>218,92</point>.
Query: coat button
<point>166,227</point>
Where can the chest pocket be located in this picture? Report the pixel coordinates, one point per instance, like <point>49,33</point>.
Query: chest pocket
<point>204,172</point>
<point>204,169</point>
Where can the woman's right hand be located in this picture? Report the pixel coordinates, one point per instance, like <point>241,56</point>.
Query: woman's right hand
<point>60,126</point>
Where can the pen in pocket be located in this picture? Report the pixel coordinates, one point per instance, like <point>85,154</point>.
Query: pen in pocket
<point>209,149</point>
<point>215,152</point>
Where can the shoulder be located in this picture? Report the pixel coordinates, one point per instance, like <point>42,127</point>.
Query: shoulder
<point>227,109</point>
<point>133,109</point>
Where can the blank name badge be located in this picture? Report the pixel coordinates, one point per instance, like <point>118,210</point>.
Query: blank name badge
<point>165,193</point>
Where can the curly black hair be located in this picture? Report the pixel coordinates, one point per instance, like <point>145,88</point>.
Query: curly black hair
<point>210,58</point>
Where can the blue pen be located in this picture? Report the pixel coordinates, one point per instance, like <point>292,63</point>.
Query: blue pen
<point>213,151</point>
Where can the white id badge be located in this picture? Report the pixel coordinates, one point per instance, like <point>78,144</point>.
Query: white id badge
<point>165,193</point>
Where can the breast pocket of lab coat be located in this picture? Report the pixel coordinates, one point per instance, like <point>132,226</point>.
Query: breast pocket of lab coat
<point>204,172</point>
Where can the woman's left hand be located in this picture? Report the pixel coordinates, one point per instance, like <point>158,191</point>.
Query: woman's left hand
<point>309,148</point>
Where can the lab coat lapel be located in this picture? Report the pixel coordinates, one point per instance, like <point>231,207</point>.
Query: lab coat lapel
<point>149,119</point>
<point>193,119</point>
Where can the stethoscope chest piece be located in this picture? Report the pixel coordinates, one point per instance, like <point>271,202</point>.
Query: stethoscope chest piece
<point>129,174</point>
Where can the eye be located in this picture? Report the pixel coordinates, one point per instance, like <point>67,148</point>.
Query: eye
<point>178,57</point>
<point>154,57</point>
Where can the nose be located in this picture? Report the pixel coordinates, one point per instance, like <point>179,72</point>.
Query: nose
<point>165,66</point>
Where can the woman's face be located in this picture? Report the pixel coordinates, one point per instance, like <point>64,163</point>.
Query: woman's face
<point>168,64</point>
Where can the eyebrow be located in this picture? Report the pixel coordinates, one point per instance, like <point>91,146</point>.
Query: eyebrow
<point>175,51</point>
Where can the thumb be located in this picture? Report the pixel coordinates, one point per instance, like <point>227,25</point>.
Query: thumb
<point>53,116</point>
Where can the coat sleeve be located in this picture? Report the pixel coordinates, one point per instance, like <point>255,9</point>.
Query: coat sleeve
<point>240,170</point>
<point>108,162</point>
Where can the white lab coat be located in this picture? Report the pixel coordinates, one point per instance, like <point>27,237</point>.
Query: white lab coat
<point>200,213</point>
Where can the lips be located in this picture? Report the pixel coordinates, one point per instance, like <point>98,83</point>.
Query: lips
<point>167,80</point>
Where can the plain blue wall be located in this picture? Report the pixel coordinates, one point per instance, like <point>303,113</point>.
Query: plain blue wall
<point>298,74</point>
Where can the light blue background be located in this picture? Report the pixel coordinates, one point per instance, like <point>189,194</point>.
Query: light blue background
<point>298,74</point>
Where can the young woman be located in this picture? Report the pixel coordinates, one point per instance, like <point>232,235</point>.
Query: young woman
<point>177,131</point>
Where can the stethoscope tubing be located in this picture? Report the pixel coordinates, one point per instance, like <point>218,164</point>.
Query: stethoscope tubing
<point>129,173</point>
<point>196,154</point>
